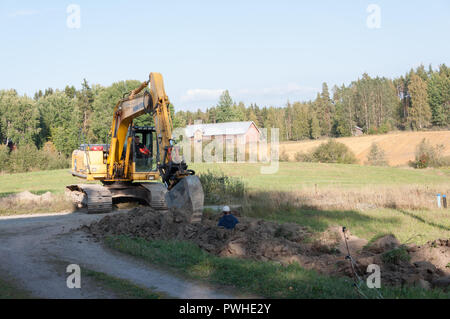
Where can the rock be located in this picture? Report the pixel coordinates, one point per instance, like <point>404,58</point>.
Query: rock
<point>443,283</point>
<point>366,261</point>
<point>425,266</point>
<point>384,244</point>
<point>412,248</point>
<point>235,249</point>
<point>423,284</point>
<point>292,259</point>
<point>277,248</point>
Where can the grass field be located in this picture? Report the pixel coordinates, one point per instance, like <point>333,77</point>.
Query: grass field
<point>37,182</point>
<point>293,176</point>
<point>399,147</point>
<point>290,176</point>
<point>291,195</point>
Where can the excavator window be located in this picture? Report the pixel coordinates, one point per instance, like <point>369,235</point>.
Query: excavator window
<point>143,151</point>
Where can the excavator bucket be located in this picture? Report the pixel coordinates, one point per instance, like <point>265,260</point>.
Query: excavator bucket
<point>187,197</point>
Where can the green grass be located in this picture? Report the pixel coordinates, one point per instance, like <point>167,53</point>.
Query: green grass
<point>124,289</point>
<point>292,176</point>
<point>10,291</point>
<point>420,225</point>
<point>37,182</point>
<point>266,279</point>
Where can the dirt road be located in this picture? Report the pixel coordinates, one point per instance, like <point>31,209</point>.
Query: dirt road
<point>36,249</point>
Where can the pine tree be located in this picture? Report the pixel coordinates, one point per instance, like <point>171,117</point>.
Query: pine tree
<point>224,108</point>
<point>419,113</point>
<point>314,127</point>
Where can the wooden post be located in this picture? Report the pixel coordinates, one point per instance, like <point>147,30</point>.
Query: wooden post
<point>444,201</point>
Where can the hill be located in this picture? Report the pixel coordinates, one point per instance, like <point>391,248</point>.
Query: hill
<point>399,147</point>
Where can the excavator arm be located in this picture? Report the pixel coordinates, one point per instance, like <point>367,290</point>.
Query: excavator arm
<point>185,190</point>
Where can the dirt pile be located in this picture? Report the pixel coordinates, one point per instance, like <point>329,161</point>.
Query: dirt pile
<point>424,266</point>
<point>25,198</point>
<point>251,238</point>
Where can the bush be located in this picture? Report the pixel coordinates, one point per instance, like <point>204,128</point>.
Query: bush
<point>330,152</point>
<point>221,189</point>
<point>396,256</point>
<point>376,156</point>
<point>429,156</point>
<point>4,158</point>
<point>304,157</point>
<point>27,158</point>
<point>284,157</point>
<point>333,152</point>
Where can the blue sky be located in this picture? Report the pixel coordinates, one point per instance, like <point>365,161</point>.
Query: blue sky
<point>266,52</point>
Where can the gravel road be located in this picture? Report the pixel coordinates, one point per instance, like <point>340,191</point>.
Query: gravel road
<point>36,249</point>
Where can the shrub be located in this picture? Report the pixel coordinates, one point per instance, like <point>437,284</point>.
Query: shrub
<point>284,157</point>
<point>304,157</point>
<point>334,152</point>
<point>221,189</point>
<point>376,156</point>
<point>4,158</point>
<point>27,158</point>
<point>429,156</point>
<point>396,256</point>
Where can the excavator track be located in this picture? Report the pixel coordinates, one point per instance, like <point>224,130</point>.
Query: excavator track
<point>96,198</point>
<point>186,197</point>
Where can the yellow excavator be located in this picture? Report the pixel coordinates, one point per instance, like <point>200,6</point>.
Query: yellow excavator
<point>141,163</point>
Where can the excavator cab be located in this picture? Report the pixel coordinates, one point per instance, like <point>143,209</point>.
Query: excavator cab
<point>145,151</point>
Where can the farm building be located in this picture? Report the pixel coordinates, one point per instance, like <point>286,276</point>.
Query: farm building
<point>357,131</point>
<point>229,131</point>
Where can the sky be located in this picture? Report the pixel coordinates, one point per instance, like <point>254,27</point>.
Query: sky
<point>264,52</point>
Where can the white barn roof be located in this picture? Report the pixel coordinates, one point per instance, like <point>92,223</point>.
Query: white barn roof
<point>229,128</point>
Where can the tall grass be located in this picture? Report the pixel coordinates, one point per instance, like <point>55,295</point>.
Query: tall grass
<point>221,189</point>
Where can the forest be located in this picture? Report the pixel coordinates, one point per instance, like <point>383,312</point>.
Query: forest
<point>51,121</point>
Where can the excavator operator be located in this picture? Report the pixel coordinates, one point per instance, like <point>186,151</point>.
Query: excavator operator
<point>141,150</point>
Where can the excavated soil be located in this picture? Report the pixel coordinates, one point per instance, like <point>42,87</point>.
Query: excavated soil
<point>425,266</point>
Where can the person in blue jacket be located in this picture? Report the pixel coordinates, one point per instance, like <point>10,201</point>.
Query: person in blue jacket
<point>227,220</point>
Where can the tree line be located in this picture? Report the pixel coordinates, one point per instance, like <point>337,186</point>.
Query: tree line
<point>418,100</point>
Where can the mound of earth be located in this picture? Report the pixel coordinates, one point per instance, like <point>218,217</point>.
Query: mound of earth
<point>26,196</point>
<point>287,243</point>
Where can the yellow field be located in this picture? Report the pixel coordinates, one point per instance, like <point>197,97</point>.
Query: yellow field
<point>399,147</point>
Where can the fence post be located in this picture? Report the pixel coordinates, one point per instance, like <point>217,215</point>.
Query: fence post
<point>444,200</point>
